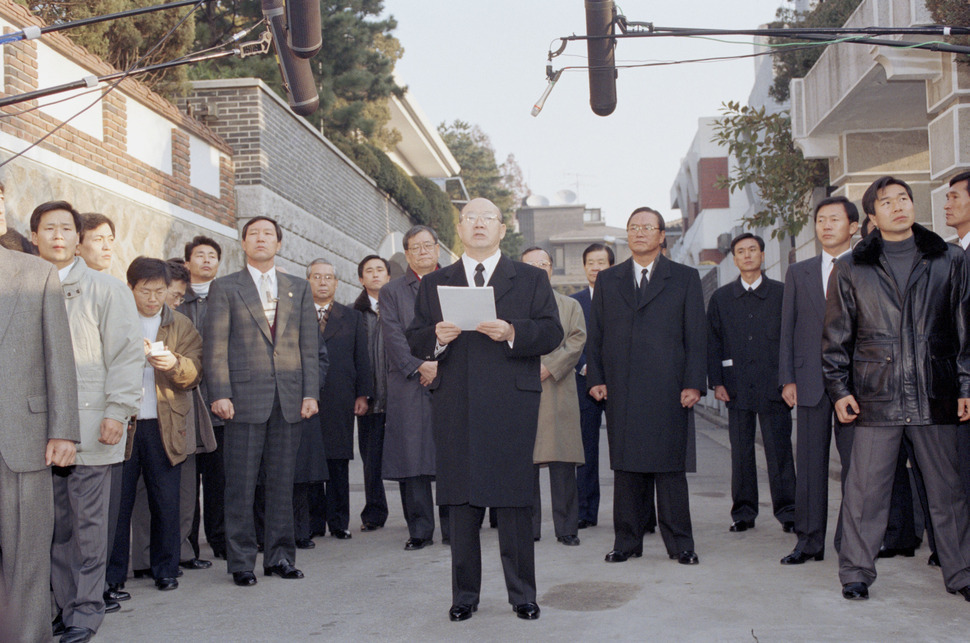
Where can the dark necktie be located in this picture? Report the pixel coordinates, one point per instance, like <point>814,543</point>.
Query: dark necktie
<point>644,280</point>
<point>322,317</point>
<point>479,275</point>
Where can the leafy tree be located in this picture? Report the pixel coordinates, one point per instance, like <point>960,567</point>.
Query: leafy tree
<point>482,176</point>
<point>767,159</point>
<point>124,42</point>
<point>794,62</point>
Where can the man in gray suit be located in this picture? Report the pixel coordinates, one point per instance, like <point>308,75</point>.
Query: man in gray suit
<point>109,358</point>
<point>38,428</point>
<point>261,366</point>
<point>800,376</point>
<point>957,210</point>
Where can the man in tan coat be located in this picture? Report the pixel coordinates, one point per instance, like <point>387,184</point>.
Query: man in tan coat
<point>559,443</point>
<point>173,351</point>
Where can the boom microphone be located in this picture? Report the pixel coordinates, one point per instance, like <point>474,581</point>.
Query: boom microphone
<point>304,27</point>
<point>301,90</point>
<point>601,54</point>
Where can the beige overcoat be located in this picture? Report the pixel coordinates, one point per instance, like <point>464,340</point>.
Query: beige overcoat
<point>558,438</point>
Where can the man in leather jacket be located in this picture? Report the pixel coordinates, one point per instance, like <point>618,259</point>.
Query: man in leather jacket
<point>896,359</point>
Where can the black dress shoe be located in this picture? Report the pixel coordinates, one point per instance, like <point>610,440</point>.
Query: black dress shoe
<point>461,612</point>
<point>141,573</point>
<point>741,525</point>
<point>617,556</point>
<point>165,584</point>
<point>111,606</point>
<point>341,534</point>
<point>57,625</point>
<point>536,539</point>
<point>892,552</point>
<point>788,526</point>
<point>797,557</point>
<point>855,591</point>
<point>571,541</point>
<point>687,557</point>
<point>651,530</point>
<point>370,526</point>
<point>417,543</point>
<point>195,563</point>
<point>528,611</point>
<point>76,634</point>
<point>934,560</point>
<point>244,579</point>
<point>305,543</point>
<point>583,524</point>
<point>283,569</point>
<point>963,591</point>
<point>116,592</point>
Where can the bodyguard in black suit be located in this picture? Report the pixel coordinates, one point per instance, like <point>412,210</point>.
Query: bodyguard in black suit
<point>343,395</point>
<point>647,353</point>
<point>261,364</point>
<point>800,376</point>
<point>486,405</point>
<point>742,367</point>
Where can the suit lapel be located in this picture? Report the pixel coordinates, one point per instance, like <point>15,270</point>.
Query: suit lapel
<point>816,289</point>
<point>624,276</point>
<point>501,281</point>
<point>657,280</point>
<point>250,296</point>
<point>454,275</point>
<point>11,271</point>
<point>284,302</point>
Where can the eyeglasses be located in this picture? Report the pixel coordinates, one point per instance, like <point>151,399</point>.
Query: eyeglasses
<point>318,277</point>
<point>427,245</point>
<point>641,228</point>
<point>539,264</point>
<point>480,218</point>
<point>178,299</point>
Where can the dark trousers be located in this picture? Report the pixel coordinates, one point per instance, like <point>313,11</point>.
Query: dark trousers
<point>332,504</point>
<point>274,444</point>
<point>813,442</point>
<point>212,476</point>
<point>515,546</point>
<point>417,503</point>
<point>776,434</point>
<point>588,475</point>
<point>563,498</point>
<point>633,493</point>
<point>902,530</point>
<point>114,501</point>
<point>865,506</point>
<point>370,443</point>
<point>162,481</point>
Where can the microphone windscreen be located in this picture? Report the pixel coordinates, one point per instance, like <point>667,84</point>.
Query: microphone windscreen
<point>301,90</point>
<point>601,56</point>
<point>304,32</point>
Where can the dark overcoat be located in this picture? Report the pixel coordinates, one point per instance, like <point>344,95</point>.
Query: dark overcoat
<point>408,435</point>
<point>743,343</point>
<point>347,379</point>
<point>311,459</point>
<point>486,399</point>
<point>647,353</point>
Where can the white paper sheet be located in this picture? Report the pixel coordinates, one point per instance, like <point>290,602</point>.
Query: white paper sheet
<point>467,306</point>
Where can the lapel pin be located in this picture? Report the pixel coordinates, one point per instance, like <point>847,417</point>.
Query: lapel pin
<point>290,294</point>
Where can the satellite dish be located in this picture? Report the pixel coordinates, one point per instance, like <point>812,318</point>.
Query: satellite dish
<point>564,197</point>
<point>536,201</point>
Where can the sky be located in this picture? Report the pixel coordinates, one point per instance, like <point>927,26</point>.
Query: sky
<point>483,61</point>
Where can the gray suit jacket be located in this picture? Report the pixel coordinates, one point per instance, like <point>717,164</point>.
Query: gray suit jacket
<point>38,399</point>
<point>250,364</point>
<point>802,321</point>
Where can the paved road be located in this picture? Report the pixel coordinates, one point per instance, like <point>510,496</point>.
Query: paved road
<point>369,588</point>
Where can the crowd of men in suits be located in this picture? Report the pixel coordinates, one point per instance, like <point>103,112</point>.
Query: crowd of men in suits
<point>249,387</point>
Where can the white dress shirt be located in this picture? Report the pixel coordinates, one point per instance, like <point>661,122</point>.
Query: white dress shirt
<point>470,264</point>
<point>270,298</point>
<point>828,262</point>
<point>637,273</point>
<point>965,241</point>
<point>751,286</point>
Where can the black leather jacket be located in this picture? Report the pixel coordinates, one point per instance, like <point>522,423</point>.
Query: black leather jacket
<point>904,356</point>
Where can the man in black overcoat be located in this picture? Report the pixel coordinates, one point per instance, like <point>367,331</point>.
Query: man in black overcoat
<point>486,405</point>
<point>647,353</point>
<point>742,368</point>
